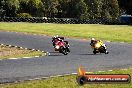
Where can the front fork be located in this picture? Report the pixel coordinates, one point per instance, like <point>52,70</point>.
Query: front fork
<point>104,46</point>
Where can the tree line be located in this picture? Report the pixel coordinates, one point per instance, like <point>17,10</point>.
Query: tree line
<point>81,9</point>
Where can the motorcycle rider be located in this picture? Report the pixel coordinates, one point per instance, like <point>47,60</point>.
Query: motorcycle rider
<point>94,41</point>
<point>58,38</point>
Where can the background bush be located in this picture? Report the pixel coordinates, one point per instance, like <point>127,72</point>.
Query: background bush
<point>24,15</point>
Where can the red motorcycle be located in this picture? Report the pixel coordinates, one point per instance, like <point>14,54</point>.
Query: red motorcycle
<point>60,46</point>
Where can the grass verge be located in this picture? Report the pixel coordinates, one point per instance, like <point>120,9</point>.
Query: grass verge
<point>116,33</point>
<point>12,52</point>
<point>69,82</point>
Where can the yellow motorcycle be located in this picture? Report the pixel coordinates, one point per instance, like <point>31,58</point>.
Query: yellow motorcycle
<point>99,47</point>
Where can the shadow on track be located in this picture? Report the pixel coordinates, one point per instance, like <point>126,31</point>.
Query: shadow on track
<point>53,52</point>
<point>89,54</point>
<point>56,55</point>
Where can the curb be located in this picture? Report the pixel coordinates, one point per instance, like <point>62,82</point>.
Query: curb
<point>44,53</point>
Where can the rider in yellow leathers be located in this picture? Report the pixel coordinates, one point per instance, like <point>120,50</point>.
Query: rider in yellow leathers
<point>96,44</point>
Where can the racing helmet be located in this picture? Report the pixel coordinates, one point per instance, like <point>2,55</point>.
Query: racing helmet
<point>92,39</point>
<point>54,37</point>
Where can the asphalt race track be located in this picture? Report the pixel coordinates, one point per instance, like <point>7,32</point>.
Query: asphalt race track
<point>120,56</point>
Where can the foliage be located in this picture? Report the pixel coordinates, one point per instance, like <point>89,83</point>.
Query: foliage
<point>111,9</point>
<point>51,7</point>
<point>82,9</point>
<point>24,15</point>
<point>11,7</point>
<point>35,7</point>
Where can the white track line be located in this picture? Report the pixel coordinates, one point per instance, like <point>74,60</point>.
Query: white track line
<point>26,57</point>
<point>36,56</point>
<point>74,73</point>
<point>13,58</point>
<point>101,71</point>
<point>88,72</point>
<point>110,70</point>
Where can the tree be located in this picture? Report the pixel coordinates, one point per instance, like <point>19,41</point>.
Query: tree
<point>73,9</point>
<point>64,8</point>
<point>2,11</point>
<point>35,7</point>
<point>110,9</point>
<point>95,8</point>
<point>23,6</point>
<point>51,7</point>
<point>11,7</point>
<point>81,10</point>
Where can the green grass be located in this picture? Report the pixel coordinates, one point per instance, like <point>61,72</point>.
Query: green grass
<point>116,33</point>
<point>12,52</point>
<point>69,82</point>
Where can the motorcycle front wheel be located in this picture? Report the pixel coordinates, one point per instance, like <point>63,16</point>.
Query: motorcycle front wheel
<point>106,52</point>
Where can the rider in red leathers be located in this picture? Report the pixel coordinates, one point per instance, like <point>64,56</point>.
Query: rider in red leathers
<point>55,40</point>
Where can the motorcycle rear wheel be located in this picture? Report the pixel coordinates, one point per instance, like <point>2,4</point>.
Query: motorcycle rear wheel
<point>94,52</point>
<point>64,51</point>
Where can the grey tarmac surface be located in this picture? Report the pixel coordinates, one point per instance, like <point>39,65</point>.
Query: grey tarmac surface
<point>120,56</point>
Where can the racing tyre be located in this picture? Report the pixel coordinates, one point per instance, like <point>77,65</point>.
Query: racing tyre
<point>94,52</point>
<point>64,51</point>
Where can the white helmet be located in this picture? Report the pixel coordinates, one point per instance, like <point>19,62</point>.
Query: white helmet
<point>93,39</point>
<point>54,37</point>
